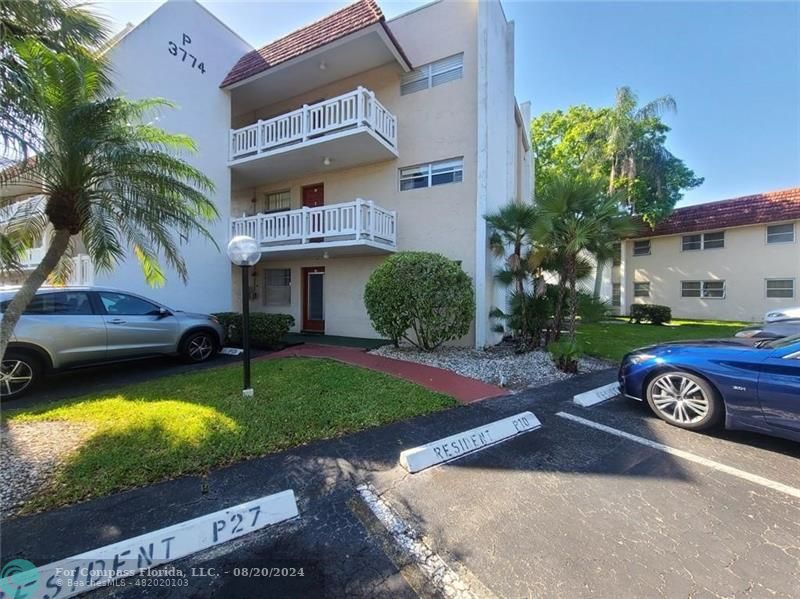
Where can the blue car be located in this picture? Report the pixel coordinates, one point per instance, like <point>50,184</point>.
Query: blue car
<point>697,385</point>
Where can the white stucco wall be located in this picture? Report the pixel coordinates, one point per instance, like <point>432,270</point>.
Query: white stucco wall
<point>744,264</point>
<point>144,67</point>
<point>499,154</point>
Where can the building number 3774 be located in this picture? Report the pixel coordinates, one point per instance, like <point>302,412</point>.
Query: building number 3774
<point>181,52</point>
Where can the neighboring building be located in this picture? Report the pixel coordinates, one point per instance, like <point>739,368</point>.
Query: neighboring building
<point>731,260</point>
<point>335,146</point>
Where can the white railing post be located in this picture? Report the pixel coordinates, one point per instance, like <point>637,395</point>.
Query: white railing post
<point>361,104</point>
<point>371,210</point>
<point>359,203</point>
<point>394,227</point>
<point>373,111</point>
<point>304,124</point>
<point>305,225</point>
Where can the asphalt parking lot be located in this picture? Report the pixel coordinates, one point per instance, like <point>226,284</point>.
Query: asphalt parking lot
<point>571,511</point>
<point>564,511</point>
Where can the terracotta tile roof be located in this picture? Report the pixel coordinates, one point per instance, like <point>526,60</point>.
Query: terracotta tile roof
<point>336,25</point>
<point>773,206</point>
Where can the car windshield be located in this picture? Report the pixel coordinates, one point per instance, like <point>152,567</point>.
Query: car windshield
<point>783,342</point>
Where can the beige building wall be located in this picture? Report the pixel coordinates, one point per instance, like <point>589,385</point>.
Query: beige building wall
<point>438,123</point>
<point>745,263</point>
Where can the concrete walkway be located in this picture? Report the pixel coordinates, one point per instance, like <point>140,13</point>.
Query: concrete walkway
<point>462,388</point>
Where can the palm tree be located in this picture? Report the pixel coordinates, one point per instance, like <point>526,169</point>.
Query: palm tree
<point>59,25</point>
<point>511,239</point>
<point>626,155</point>
<point>105,175</point>
<point>578,211</point>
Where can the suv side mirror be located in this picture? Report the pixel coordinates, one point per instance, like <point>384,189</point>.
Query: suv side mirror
<point>163,313</point>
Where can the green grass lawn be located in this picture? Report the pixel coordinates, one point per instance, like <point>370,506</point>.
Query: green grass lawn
<point>612,340</point>
<point>194,422</point>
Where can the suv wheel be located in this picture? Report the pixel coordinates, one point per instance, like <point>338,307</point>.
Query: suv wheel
<point>19,373</point>
<point>199,347</point>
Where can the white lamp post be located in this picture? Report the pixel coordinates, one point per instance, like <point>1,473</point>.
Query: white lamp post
<point>244,252</point>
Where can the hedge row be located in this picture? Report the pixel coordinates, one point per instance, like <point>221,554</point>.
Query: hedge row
<point>653,313</point>
<point>266,330</point>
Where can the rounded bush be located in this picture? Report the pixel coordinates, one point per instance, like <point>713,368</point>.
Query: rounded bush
<point>422,297</point>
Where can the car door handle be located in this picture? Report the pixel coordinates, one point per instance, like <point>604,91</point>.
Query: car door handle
<point>117,321</point>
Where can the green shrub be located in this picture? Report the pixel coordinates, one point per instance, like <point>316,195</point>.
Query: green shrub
<point>592,309</point>
<point>422,292</point>
<point>565,354</point>
<point>538,313</point>
<point>266,330</point>
<point>652,313</point>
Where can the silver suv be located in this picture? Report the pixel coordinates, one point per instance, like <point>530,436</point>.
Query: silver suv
<point>68,327</point>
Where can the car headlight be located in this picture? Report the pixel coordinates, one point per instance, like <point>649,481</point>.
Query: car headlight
<point>747,333</point>
<point>639,358</point>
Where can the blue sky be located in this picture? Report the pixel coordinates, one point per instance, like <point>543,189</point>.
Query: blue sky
<point>732,67</point>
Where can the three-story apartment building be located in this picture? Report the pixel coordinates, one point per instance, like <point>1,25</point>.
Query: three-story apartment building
<point>335,146</point>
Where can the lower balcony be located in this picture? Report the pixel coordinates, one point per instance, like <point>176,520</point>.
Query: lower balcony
<point>354,228</point>
<point>350,130</point>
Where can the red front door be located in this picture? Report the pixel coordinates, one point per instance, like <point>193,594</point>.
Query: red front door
<point>313,196</point>
<point>313,299</point>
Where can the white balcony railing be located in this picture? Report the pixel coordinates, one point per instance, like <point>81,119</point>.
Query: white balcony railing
<point>356,108</point>
<point>348,221</point>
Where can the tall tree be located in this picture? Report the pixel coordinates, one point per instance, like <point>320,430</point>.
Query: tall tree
<point>59,25</point>
<point>623,145</point>
<point>106,175</point>
<point>578,210</point>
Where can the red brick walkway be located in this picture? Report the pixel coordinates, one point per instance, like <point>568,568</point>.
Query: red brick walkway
<point>462,388</point>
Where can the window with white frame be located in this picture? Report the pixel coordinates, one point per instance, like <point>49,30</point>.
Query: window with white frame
<point>433,74</point>
<point>641,247</point>
<point>780,288</point>
<point>703,289</point>
<point>704,241</point>
<point>433,173</point>
<point>277,287</point>
<point>616,294</point>
<point>641,289</point>
<point>780,233</point>
<point>277,201</point>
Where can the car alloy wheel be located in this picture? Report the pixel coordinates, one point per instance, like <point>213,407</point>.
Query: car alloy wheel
<point>15,376</point>
<point>680,399</point>
<point>200,348</point>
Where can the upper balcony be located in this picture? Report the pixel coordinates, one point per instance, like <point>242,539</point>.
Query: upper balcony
<point>349,130</point>
<point>352,228</point>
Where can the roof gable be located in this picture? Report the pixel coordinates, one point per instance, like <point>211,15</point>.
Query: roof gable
<point>339,24</point>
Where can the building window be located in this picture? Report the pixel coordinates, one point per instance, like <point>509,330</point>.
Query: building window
<point>277,201</point>
<point>277,287</point>
<point>780,288</point>
<point>616,294</point>
<point>692,242</point>
<point>641,248</point>
<point>434,173</point>
<point>617,260</point>
<point>780,233</point>
<point>704,241</point>
<point>641,289</point>
<point>433,74</point>
<point>703,289</point>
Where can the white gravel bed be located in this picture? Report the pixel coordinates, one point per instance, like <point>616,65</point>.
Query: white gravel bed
<point>29,454</point>
<point>498,365</point>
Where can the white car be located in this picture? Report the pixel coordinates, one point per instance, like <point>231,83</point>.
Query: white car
<point>782,314</point>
